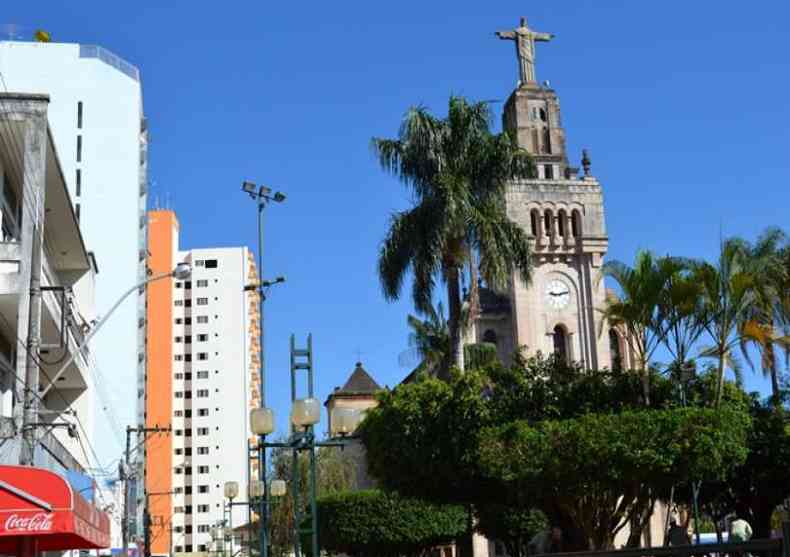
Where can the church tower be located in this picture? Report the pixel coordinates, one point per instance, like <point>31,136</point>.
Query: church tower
<point>559,310</point>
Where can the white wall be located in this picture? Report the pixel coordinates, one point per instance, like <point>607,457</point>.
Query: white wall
<point>112,112</point>
<point>228,384</point>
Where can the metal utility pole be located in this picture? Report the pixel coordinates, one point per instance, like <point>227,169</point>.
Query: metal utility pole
<point>125,474</point>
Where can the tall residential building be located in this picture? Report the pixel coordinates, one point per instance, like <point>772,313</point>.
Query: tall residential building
<point>97,124</point>
<point>202,357</point>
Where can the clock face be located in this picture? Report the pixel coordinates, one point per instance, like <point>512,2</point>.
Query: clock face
<point>558,295</point>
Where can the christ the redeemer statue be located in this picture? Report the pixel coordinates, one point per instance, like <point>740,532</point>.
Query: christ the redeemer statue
<point>525,48</point>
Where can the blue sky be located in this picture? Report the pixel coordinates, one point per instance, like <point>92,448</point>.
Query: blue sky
<point>683,106</point>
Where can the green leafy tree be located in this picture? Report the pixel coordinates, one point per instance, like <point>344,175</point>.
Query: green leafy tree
<point>513,526</point>
<point>457,171</point>
<point>597,468</point>
<point>375,523</point>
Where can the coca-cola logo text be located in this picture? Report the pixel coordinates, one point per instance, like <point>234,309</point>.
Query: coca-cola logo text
<point>40,522</point>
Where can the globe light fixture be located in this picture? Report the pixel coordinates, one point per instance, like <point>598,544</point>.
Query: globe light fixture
<point>277,488</point>
<point>305,412</point>
<point>231,490</point>
<point>255,489</point>
<point>262,421</point>
<point>182,271</point>
<point>344,421</point>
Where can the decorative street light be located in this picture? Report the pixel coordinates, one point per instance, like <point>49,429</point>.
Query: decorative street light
<point>344,421</point>
<point>278,488</point>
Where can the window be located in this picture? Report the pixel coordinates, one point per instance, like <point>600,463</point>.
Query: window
<point>187,357</point>
<point>188,451</point>
<point>489,336</point>
<point>546,141</point>
<point>202,318</point>
<point>188,490</point>
<point>178,413</point>
<point>188,376</point>
<point>542,113</point>
<point>178,339</point>
<point>533,222</point>
<point>202,431</point>
<point>211,263</point>
<point>202,489</point>
<point>188,285</point>
<point>188,339</point>
<point>202,450</point>
<point>188,508</point>
<point>179,451</point>
<point>178,303</point>
<point>563,216</point>
<point>203,470</point>
<point>202,301</point>
<point>179,394</point>
<point>547,222</point>
<point>203,528</point>
<point>178,510</point>
<point>576,223</point>
<point>178,490</point>
<point>77,210</point>
<point>12,211</point>
<point>187,394</point>
<point>202,338</point>
<point>79,148</point>
<point>178,529</point>
<point>178,432</point>
<point>78,182</point>
<point>202,412</point>
<point>187,320</point>
<point>202,393</point>
<point>178,285</point>
<point>199,263</point>
<point>179,357</point>
<point>179,321</point>
<point>202,356</point>
<point>203,508</point>
<point>188,529</point>
<point>202,374</point>
<point>187,433</point>
<point>188,548</point>
<point>614,350</point>
<point>187,413</point>
<point>202,548</point>
<point>548,171</point>
<point>187,303</point>
<point>202,283</point>
<point>561,343</point>
<point>79,115</point>
<point>179,548</point>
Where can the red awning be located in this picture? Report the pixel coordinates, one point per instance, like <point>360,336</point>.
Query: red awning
<point>38,506</point>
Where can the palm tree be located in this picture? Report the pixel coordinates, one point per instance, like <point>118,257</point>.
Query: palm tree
<point>730,297</point>
<point>767,261</point>
<point>430,339</point>
<point>457,171</point>
<point>640,309</point>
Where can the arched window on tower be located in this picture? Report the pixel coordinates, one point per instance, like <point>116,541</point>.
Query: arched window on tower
<point>614,350</point>
<point>534,218</point>
<point>490,336</point>
<point>562,218</point>
<point>547,222</point>
<point>576,223</point>
<point>546,141</point>
<point>561,343</point>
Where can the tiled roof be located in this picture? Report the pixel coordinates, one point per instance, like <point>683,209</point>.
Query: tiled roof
<point>360,382</point>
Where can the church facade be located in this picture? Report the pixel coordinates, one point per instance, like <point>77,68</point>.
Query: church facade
<point>559,310</point>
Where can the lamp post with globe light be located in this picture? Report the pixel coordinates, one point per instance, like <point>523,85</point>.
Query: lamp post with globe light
<point>305,414</point>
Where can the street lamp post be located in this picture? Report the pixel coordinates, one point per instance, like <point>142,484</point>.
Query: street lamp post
<point>305,414</point>
<point>182,271</point>
<point>263,196</point>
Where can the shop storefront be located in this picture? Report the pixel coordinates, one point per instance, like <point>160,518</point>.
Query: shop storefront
<point>39,511</point>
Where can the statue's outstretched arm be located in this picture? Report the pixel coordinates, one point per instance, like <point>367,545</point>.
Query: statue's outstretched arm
<point>506,34</point>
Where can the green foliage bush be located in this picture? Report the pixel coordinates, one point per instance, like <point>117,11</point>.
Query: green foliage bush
<point>382,524</point>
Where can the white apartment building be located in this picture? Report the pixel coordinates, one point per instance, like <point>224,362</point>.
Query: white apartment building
<point>97,124</point>
<point>202,359</point>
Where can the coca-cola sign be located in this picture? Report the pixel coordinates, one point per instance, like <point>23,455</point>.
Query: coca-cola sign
<point>39,522</point>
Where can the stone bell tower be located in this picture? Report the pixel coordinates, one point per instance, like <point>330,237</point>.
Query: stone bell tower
<point>559,310</point>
